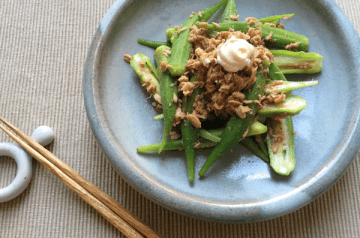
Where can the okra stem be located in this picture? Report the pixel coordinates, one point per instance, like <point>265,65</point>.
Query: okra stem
<point>275,19</point>
<point>249,143</point>
<point>263,147</point>
<point>170,34</point>
<point>152,44</point>
<point>169,145</point>
<point>230,10</point>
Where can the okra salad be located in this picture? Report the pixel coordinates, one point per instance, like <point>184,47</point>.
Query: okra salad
<point>228,74</point>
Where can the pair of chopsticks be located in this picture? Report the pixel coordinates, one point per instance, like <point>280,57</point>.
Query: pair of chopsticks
<point>111,210</point>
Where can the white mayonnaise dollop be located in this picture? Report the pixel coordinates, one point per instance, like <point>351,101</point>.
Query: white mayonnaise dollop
<point>235,54</point>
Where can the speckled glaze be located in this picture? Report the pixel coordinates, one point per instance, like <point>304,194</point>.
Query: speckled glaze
<point>43,135</point>
<point>239,187</point>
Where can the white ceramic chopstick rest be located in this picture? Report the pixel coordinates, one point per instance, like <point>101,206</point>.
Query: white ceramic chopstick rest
<point>43,135</point>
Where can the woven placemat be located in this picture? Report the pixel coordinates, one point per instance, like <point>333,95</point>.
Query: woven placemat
<point>43,47</point>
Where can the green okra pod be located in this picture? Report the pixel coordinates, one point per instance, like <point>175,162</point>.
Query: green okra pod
<point>145,69</point>
<point>282,155</point>
<point>153,44</point>
<point>249,143</point>
<point>175,145</point>
<point>189,133</point>
<point>181,47</point>
<point>280,38</point>
<point>255,128</point>
<point>289,86</point>
<point>276,74</point>
<point>290,62</point>
<point>159,117</point>
<point>208,135</point>
<point>263,147</point>
<point>236,127</point>
<point>169,145</point>
<point>292,105</point>
<point>168,92</point>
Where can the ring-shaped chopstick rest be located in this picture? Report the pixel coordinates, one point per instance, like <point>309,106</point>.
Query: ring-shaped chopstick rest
<point>43,135</point>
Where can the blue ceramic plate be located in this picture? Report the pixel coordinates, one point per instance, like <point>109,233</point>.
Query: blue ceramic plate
<point>239,187</point>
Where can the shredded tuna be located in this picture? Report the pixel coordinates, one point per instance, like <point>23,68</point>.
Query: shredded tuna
<point>183,78</point>
<point>292,46</point>
<point>174,135</point>
<point>181,30</point>
<point>167,53</point>
<point>204,23</point>
<point>242,110</point>
<point>252,20</point>
<point>157,107</point>
<point>245,133</point>
<point>278,136</point>
<point>274,147</point>
<point>151,89</point>
<point>175,98</point>
<point>269,36</point>
<point>197,144</point>
<point>269,24</point>
<point>194,120</point>
<point>223,92</point>
<point>179,116</point>
<point>186,88</point>
<point>164,66</point>
<point>234,17</point>
<point>142,64</point>
<point>157,98</point>
<point>127,58</point>
<point>216,25</point>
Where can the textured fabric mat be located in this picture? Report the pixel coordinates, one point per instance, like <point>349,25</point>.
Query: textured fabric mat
<point>43,47</point>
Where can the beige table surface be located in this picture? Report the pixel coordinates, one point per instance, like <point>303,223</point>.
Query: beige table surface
<point>43,46</point>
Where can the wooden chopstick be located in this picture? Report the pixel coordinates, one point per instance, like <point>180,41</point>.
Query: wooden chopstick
<point>111,210</point>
